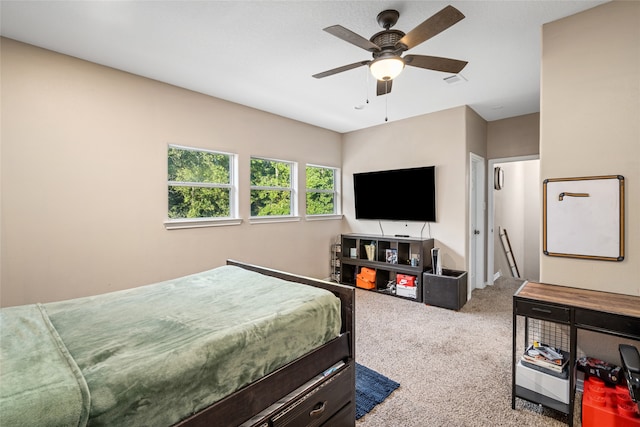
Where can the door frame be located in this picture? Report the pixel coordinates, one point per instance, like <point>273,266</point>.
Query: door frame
<point>491,274</point>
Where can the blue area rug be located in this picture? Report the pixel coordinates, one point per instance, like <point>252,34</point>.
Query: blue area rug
<point>371,389</point>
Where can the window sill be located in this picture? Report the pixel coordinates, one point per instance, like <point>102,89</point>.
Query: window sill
<point>272,219</point>
<point>177,224</point>
<point>322,217</point>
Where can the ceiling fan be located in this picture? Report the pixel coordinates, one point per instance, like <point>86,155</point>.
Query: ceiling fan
<point>388,45</point>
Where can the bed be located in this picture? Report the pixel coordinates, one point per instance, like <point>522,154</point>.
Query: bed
<point>239,345</point>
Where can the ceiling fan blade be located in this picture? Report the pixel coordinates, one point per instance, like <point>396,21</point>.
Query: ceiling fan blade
<point>340,69</point>
<point>446,65</point>
<point>431,27</point>
<point>383,87</point>
<point>353,38</point>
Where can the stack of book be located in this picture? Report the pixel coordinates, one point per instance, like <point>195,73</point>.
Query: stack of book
<point>546,359</point>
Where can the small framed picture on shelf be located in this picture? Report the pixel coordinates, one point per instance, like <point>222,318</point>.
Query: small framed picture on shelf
<point>391,256</point>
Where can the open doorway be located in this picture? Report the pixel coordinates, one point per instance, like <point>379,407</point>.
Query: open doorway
<point>514,209</point>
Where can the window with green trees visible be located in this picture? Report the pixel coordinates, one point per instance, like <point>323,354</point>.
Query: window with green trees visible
<point>272,187</point>
<point>322,190</point>
<point>200,183</point>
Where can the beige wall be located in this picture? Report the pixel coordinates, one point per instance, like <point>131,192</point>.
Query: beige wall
<point>590,105</point>
<point>84,169</point>
<point>476,137</point>
<point>514,137</point>
<point>437,139</point>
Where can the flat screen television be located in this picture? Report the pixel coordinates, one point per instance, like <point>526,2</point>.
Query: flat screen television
<point>397,195</point>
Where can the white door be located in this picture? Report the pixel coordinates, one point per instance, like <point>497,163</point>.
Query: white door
<point>476,223</point>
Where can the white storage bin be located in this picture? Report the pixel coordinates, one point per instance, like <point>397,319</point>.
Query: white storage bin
<point>548,385</point>
<point>407,291</point>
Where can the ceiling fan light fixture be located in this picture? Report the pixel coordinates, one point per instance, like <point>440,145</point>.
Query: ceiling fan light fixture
<point>387,68</point>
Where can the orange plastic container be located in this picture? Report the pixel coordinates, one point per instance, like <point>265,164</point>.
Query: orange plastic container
<point>366,279</point>
<point>607,406</point>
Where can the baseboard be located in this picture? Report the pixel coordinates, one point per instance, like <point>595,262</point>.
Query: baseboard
<point>497,275</point>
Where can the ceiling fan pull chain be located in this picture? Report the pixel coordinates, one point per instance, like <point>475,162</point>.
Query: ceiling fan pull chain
<point>366,86</point>
<point>386,101</point>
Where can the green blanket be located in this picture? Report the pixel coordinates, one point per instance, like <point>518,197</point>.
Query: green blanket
<point>40,384</point>
<point>156,354</point>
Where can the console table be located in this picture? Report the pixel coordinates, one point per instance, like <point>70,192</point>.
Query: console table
<point>604,312</point>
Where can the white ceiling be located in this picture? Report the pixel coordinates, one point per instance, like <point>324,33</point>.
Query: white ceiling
<point>262,53</point>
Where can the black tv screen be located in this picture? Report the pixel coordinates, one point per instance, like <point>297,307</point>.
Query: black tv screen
<point>398,195</point>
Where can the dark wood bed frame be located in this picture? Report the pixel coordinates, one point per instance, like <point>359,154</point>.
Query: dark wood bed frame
<point>255,398</point>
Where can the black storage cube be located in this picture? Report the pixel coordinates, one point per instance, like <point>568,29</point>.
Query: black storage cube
<point>447,290</point>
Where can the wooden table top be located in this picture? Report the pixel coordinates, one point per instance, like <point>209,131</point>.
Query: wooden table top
<point>608,302</point>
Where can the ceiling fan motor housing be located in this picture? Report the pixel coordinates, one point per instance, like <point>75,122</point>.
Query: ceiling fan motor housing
<point>387,41</point>
<point>387,38</point>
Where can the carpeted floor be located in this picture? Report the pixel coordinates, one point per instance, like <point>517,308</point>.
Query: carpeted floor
<point>454,368</point>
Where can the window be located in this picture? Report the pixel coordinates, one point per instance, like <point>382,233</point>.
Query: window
<point>322,190</point>
<point>201,184</point>
<point>272,188</point>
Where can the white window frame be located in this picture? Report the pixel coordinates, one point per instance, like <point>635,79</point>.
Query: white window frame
<point>337,194</point>
<point>293,189</point>
<point>233,219</point>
